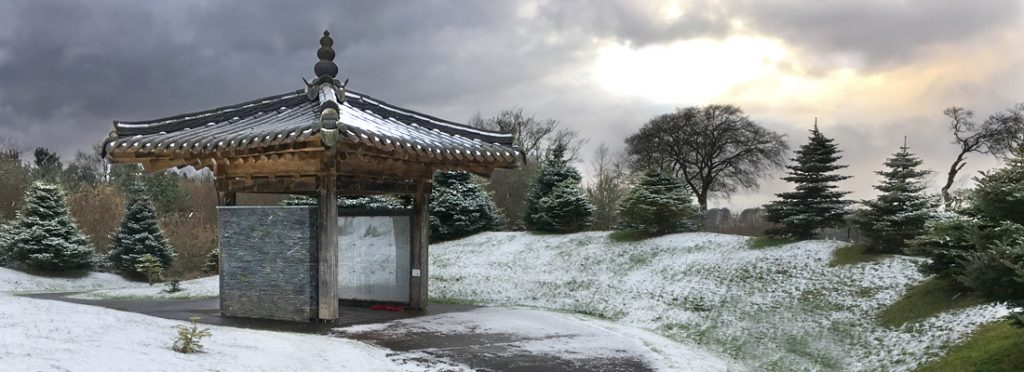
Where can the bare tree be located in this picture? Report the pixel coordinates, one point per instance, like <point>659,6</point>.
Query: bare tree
<point>15,176</point>
<point>1001,135</point>
<point>610,179</point>
<point>509,187</point>
<point>713,150</point>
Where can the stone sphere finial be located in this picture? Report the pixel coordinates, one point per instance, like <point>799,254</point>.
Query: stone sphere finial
<point>325,66</point>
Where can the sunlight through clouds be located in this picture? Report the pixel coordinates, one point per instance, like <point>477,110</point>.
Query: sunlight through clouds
<point>687,71</point>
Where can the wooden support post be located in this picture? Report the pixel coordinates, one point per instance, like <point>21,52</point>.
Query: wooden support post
<point>420,246</point>
<point>327,227</point>
<point>227,198</point>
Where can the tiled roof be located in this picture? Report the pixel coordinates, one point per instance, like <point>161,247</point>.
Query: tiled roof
<point>292,117</point>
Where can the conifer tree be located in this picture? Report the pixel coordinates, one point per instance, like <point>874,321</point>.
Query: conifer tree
<point>556,202</point>
<point>900,212</point>
<point>815,204</point>
<point>139,235</point>
<point>658,205</point>
<point>460,207</point>
<point>45,236</point>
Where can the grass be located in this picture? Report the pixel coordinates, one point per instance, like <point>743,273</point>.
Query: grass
<point>767,241</point>
<point>853,254</point>
<point>931,297</point>
<point>994,347</point>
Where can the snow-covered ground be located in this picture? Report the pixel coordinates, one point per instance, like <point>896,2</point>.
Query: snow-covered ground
<point>555,334</point>
<point>43,335</point>
<point>779,308</point>
<point>13,281</point>
<point>207,287</point>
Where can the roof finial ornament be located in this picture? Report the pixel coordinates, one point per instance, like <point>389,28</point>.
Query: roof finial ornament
<point>325,66</point>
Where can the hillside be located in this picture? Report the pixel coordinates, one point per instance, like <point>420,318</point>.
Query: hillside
<point>778,308</point>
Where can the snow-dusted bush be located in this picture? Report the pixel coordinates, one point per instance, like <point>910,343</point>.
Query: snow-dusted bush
<point>657,205</point>
<point>139,235</point>
<point>945,242</point>
<point>999,195</point>
<point>45,236</point>
<point>556,202</point>
<point>212,265</point>
<point>993,271</point>
<point>190,337</point>
<point>460,207</point>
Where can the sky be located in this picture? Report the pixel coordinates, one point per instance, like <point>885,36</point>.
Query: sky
<point>871,71</point>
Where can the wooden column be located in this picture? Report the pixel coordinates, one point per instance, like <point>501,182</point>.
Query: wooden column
<point>419,250</point>
<point>327,227</point>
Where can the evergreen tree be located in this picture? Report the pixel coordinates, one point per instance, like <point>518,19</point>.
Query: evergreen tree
<point>45,236</point>
<point>137,236</point>
<point>556,202</point>
<point>999,195</point>
<point>816,204</point>
<point>900,212</point>
<point>460,207</point>
<point>657,205</point>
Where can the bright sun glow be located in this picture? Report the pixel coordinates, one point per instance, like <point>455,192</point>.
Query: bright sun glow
<point>689,71</point>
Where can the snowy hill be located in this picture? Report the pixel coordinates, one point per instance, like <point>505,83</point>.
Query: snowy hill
<point>779,308</point>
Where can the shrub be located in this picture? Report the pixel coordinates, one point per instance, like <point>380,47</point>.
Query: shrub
<point>149,266</point>
<point>460,207</point>
<point>999,195</point>
<point>946,241</point>
<point>657,205</point>
<point>994,271</point>
<point>174,285</point>
<point>45,236</point>
<point>212,265</point>
<point>190,337</point>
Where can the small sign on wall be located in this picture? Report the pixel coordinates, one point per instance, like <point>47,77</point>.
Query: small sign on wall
<point>415,272</point>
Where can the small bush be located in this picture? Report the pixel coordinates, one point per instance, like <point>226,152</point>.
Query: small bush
<point>212,265</point>
<point>173,286</point>
<point>946,242</point>
<point>150,266</point>
<point>993,271</point>
<point>460,207</point>
<point>190,337</point>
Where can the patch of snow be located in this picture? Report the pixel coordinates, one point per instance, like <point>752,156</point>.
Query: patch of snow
<point>208,287</point>
<point>558,334</point>
<point>53,335</point>
<point>13,281</point>
<point>777,308</point>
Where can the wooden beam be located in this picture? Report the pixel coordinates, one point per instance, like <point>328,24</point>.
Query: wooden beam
<point>419,249</point>
<point>227,198</point>
<point>327,227</point>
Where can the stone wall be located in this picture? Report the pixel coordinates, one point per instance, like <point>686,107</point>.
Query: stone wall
<point>268,263</point>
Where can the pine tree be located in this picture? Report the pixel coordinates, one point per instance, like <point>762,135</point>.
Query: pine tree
<point>900,212</point>
<point>816,204</point>
<point>657,205</point>
<point>45,236</point>
<point>556,202</point>
<point>139,235</point>
<point>460,207</point>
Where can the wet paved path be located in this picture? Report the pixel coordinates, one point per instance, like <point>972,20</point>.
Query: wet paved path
<point>485,351</point>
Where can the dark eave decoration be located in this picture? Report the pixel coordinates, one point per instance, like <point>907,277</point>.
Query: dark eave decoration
<point>325,116</point>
